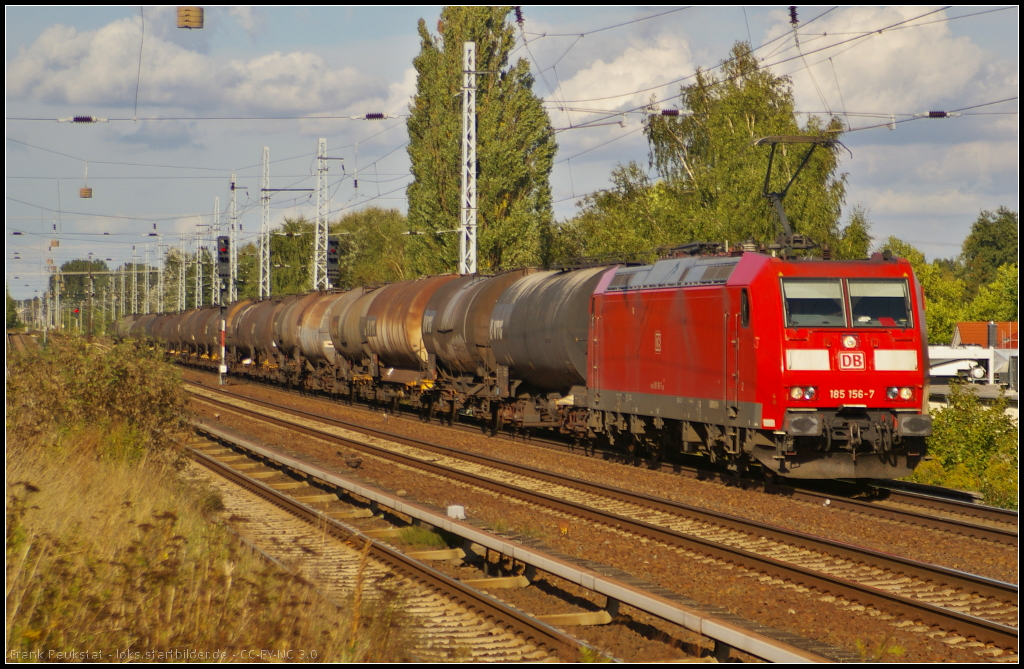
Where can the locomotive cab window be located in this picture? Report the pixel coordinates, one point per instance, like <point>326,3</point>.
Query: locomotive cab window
<point>744,308</point>
<point>880,303</point>
<point>813,302</point>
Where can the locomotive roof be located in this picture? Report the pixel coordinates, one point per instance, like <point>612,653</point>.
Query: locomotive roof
<point>685,271</point>
<point>716,270</point>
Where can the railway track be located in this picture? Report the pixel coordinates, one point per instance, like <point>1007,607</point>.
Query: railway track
<point>972,609</point>
<point>456,622</point>
<point>244,456</point>
<point>935,508</point>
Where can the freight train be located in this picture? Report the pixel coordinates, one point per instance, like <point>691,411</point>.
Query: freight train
<point>807,368</point>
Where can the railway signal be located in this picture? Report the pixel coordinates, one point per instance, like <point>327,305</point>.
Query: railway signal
<point>224,257</point>
<point>333,260</point>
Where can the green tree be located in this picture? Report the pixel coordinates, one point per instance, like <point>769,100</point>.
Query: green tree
<point>12,311</point>
<point>945,293</point>
<point>712,175</point>
<point>626,221</point>
<point>994,241</point>
<point>76,284</point>
<point>373,246</point>
<point>997,301</point>
<point>291,257</point>
<point>248,272</point>
<point>515,146</point>
<point>708,155</point>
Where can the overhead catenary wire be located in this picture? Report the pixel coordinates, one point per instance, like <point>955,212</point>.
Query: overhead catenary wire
<point>766,65</point>
<point>138,76</point>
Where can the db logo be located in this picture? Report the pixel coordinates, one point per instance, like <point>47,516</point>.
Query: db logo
<point>851,360</point>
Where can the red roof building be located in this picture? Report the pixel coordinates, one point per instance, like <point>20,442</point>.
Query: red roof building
<point>976,334</point>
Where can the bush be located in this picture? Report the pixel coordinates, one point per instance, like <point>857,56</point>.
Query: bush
<point>128,396</point>
<point>974,448</point>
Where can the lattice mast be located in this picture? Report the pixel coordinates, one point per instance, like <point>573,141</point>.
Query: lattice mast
<point>319,269</point>
<point>467,224</point>
<point>264,290</point>
<point>232,234</point>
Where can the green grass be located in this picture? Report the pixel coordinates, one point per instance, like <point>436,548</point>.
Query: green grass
<point>414,535</point>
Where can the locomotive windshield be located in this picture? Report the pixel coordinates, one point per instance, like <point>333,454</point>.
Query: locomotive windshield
<point>879,303</point>
<point>874,303</point>
<point>813,302</point>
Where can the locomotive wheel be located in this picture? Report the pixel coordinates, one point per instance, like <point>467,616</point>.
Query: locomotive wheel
<point>656,453</point>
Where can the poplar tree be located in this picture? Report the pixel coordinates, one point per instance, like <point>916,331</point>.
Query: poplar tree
<point>515,146</point>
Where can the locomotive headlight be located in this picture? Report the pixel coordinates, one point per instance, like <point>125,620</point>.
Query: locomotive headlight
<point>803,393</point>
<point>892,393</point>
<point>907,393</point>
<point>849,341</point>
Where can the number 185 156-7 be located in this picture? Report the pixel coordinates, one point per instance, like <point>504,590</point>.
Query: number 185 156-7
<point>853,394</point>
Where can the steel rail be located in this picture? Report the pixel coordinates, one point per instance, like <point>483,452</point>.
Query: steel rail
<point>533,630</point>
<point>984,630</point>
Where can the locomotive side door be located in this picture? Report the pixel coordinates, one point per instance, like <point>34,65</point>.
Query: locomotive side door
<point>730,353</point>
<point>739,345</point>
<point>595,345</point>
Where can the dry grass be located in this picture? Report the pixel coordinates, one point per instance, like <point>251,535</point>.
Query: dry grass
<point>109,551</point>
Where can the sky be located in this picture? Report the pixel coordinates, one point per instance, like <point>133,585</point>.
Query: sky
<point>185,108</point>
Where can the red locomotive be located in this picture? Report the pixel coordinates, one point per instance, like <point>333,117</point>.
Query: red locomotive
<point>813,368</point>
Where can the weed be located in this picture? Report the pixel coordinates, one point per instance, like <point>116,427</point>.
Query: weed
<point>879,651</point>
<point>592,655</point>
<point>415,535</point>
<point>532,532</point>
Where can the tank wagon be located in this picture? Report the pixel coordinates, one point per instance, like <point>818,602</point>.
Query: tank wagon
<point>810,368</point>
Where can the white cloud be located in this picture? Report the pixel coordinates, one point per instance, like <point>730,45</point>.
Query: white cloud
<point>100,67</point>
<point>252,20</point>
<point>969,163</point>
<point>905,70</point>
<point>640,65</point>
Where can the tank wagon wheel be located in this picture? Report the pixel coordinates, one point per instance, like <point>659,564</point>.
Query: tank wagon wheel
<point>495,419</point>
